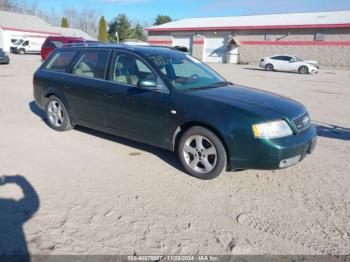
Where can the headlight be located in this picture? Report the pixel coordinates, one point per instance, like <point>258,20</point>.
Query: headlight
<point>273,129</point>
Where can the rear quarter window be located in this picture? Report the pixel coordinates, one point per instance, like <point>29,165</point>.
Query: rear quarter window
<point>53,43</point>
<point>60,60</point>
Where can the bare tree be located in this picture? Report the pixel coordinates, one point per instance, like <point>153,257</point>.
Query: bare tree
<point>85,20</point>
<point>9,5</point>
<point>33,8</point>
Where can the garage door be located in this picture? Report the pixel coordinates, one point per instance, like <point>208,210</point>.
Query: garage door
<point>215,49</point>
<point>185,41</point>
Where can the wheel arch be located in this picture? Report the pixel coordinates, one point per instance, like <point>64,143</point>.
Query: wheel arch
<point>53,92</point>
<point>181,129</point>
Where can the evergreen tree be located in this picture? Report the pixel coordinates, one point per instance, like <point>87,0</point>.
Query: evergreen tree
<point>64,22</point>
<point>162,19</point>
<point>102,30</point>
<point>122,25</point>
<point>138,33</point>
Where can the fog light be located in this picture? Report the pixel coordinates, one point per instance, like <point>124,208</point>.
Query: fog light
<point>289,161</point>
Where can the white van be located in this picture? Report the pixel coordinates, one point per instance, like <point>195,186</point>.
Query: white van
<point>14,44</point>
<point>29,46</point>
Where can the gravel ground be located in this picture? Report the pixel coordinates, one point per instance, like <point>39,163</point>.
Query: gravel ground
<point>100,194</point>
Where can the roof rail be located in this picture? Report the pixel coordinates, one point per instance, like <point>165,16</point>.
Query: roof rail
<point>95,44</point>
<point>80,44</point>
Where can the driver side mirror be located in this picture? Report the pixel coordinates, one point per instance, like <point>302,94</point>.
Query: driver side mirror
<point>147,84</point>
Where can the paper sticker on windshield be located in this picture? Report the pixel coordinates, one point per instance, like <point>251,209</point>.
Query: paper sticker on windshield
<point>193,59</point>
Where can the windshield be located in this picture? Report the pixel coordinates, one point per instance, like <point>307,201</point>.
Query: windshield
<point>185,72</point>
<point>18,41</point>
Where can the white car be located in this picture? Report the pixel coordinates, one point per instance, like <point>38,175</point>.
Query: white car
<point>289,63</point>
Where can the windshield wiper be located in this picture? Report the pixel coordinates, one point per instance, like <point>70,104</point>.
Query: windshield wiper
<point>218,84</point>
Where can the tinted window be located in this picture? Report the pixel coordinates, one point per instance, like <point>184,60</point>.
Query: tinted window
<point>25,43</point>
<point>92,64</point>
<point>60,60</point>
<point>129,70</point>
<point>54,43</point>
<point>277,58</point>
<point>287,58</point>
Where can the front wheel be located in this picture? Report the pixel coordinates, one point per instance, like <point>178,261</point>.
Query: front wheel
<point>202,153</point>
<point>22,52</point>
<point>57,115</point>
<point>303,70</point>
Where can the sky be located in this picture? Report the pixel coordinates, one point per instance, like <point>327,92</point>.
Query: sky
<point>145,11</point>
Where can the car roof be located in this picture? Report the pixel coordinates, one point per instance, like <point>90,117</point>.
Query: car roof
<point>63,37</point>
<point>144,50</point>
<point>282,55</point>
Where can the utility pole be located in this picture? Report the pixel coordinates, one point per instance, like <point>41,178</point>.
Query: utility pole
<point>117,35</point>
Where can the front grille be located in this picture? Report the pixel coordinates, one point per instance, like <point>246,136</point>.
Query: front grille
<point>302,122</point>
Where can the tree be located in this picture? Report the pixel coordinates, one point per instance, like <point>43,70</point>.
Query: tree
<point>139,33</point>
<point>102,30</point>
<point>9,5</point>
<point>122,25</point>
<point>85,19</point>
<point>162,19</point>
<point>64,22</point>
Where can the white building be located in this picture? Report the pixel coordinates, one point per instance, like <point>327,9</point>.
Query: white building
<point>14,26</point>
<point>322,36</point>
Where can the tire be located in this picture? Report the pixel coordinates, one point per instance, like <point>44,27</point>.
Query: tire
<point>57,116</point>
<point>269,67</point>
<point>205,160</point>
<point>22,51</point>
<point>303,70</point>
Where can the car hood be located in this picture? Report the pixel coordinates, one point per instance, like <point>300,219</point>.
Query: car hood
<point>264,104</point>
<point>311,62</point>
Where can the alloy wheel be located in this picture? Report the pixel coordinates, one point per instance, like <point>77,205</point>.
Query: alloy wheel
<point>200,154</point>
<point>55,113</point>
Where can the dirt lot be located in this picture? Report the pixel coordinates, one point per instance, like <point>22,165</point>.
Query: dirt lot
<point>100,194</point>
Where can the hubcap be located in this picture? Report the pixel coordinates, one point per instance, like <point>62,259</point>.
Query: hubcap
<point>55,113</point>
<point>200,154</point>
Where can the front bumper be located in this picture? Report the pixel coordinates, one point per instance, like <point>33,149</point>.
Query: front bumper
<point>278,153</point>
<point>313,70</point>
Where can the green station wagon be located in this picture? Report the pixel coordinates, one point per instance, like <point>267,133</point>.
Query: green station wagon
<point>166,98</point>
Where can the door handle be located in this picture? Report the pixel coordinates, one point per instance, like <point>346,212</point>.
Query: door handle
<point>109,94</point>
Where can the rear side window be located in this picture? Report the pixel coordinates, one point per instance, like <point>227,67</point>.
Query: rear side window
<point>54,43</point>
<point>60,61</point>
<point>92,64</point>
<point>277,58</point>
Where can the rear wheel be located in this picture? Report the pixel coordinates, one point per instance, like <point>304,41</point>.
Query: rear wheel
<point>269,67</point>
<point>202,153</point>
<point>303,70</point>
<point>57,115</point>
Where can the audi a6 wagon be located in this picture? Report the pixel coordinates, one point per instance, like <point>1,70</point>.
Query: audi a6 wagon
<point>168,99</point>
